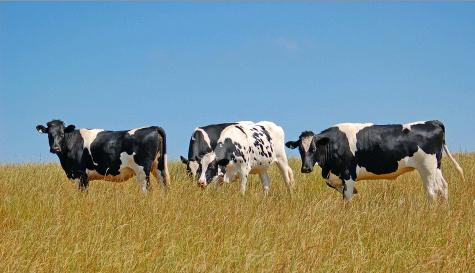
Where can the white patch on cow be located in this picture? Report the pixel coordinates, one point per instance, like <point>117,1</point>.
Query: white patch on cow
<point>205,161</point>
<point>193,167</point>
<point>245,122</point>
<point>408,125</point>
<point>128,161</point>
<point>88,136</point>
<point>132,132</point>
<point>348,189</point>
<point>350,130</point>
<point>205,135</point>
<point>306,141</point>
<point>426,164</point>
<point>265,181</point>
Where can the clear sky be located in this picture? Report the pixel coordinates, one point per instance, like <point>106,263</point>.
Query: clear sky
<point>305,66</point>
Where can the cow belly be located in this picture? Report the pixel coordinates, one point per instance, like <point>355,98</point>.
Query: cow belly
<point>124,175</point>
<point>363,174</point>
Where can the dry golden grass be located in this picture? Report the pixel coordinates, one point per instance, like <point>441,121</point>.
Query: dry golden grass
<point>46,225</point>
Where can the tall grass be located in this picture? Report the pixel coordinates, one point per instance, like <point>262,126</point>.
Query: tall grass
<point>46,225</point>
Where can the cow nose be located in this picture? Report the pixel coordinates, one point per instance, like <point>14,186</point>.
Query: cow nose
<point>306,170</point>
<point>202,184</point>
<point>56,149</point>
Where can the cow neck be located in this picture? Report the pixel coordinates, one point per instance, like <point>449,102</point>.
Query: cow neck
<point>69,139</point>
<point>323,153</point>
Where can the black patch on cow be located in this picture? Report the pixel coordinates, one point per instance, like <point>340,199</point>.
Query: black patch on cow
<point>198,146</point>
<point>227,150</point>
<point>266,133</point>
<point>380,147</point>
<point>332,152</point>
<point>242,130</point>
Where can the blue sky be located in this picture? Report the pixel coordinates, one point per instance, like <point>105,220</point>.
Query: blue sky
<point>182,65</point>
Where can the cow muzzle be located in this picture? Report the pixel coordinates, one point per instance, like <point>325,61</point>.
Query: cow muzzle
<point>306,169</point>
<point>202,184</point>
<point>55,149</point>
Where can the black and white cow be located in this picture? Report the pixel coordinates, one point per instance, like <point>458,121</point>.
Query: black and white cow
<point>93,154</point>
<point>350,152</point>
<point>247,148</point>
<point>203,140</point>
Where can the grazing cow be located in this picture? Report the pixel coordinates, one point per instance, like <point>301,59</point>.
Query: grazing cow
<point>203,141</point>
<point>350,152</point>
<point>93,154</point>
<point>247,148</point>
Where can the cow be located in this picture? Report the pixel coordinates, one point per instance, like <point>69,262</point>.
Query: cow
<point>247,148</point>
<point>96,154</point>
<point>350,152</point>
<point>203,141</point>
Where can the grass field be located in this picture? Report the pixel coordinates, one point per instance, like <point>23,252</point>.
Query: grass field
<point>46,225</point>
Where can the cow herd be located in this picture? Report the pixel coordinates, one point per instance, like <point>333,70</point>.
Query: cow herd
<point>222,153</point>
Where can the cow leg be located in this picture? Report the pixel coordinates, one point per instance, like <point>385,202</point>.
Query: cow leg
<point>348,187</point>
<point>443,186</point>
<point>429,185</point>
<point>434,184</point>
<point>83,182</point>
<point>243,182</point>
<point>427,168</point>
<point>143,178</point>
<point>162,167</point>
<point>158,175</point>
<point>265,181</point>
<point>287,173</point>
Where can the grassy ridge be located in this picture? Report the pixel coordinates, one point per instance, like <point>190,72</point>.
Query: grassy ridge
<point>47,226</point>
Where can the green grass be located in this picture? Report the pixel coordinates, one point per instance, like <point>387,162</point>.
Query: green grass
<point>46,225</point>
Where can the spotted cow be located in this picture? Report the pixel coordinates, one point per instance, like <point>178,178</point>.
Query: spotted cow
<point>203,141</point>
<point>350,152</point>
<point>244,149</point>
<point>96,154</point>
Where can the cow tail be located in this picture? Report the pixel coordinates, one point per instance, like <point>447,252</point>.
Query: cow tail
<point>162,165</point>
<point>457,166</point>
<point>446,150</point>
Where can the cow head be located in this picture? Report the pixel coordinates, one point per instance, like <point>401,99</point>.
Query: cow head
<point>309,146</point>
<point>193,166</point>
<point>215,165</point>
<point>209,169</point>
<point>56,134</point>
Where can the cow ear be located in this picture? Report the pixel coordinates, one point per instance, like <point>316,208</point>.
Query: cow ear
<point>41,129</point>
<point>292,144</point>
<point>183,160</point>
<point>322,141</point>
<point>69,129</point>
